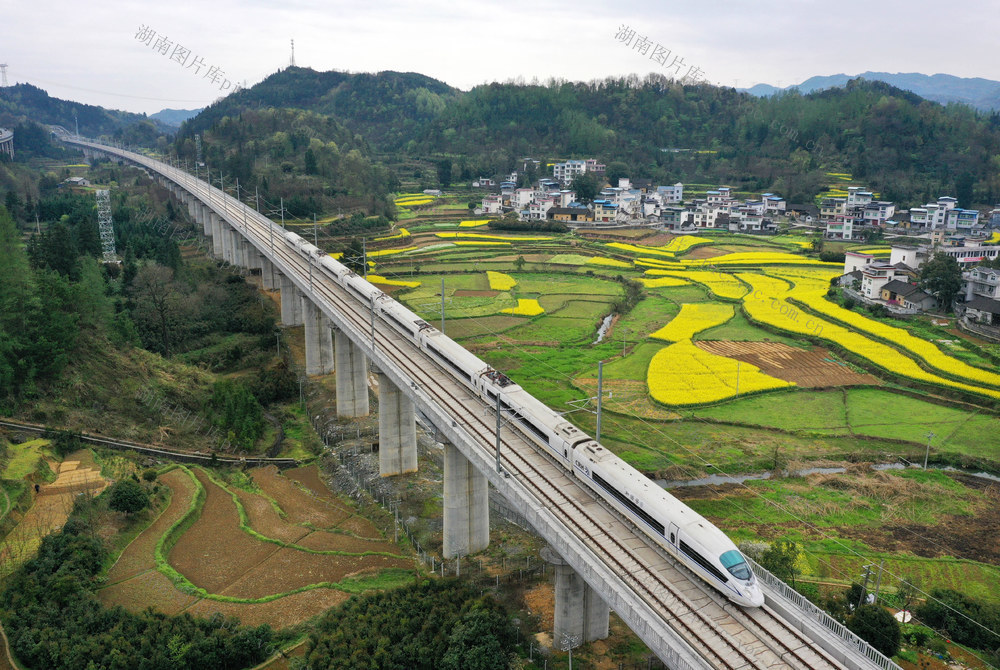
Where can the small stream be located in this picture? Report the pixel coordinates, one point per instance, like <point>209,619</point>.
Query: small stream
<point>603,330</point>
<point>714,480</point>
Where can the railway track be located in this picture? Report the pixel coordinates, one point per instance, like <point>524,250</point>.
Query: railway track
<point>158,452</point>
<point>725,635</point>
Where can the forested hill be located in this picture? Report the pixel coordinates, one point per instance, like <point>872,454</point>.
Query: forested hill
<point>388,108</point>
<point>24,102</point>
<point>907,148</point>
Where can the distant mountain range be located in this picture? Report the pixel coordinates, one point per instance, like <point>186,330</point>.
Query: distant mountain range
<point>175,117</point>
<point>983,94</point>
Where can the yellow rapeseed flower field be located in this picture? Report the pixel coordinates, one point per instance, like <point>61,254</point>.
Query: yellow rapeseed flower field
<point>813,295</point>
<point>683,374</point>
<point>480,236</point>
<point>403,232</point>
<point>662,282</point>
<point>473,224</point>
<point>639,249</point>
<point>525,307</point>
<point>390,252</point>
<point>610,262</point>
<point>500,281</point>
<point>721,284</point>
<point>694,318</point>
<point>768,303</point>
<point>379,279</point>
<point>682,243</point>
<point>481,243</point>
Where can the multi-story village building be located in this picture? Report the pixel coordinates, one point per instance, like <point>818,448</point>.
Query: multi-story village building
<point>569,170</point>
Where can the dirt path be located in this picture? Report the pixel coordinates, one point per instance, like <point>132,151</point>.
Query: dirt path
<point>7,661</point>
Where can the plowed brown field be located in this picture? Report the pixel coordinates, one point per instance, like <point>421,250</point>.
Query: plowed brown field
<point>139,555</point>
<point>281,612</point>
<point>219,556</point>
<point>807,368</point>
<point>299,505</point>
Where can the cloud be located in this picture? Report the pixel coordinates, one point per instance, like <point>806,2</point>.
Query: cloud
<point>92,55</point>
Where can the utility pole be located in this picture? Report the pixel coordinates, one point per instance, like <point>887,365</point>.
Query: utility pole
<point>442,304</point>
<point>864,589</point>
<point>878,580</point>
<point>499,467</point>
<point>600,391</point>
<point>364,256</point>
<point>315,238</point>
<point>930,436</point>
<point>282,212</point>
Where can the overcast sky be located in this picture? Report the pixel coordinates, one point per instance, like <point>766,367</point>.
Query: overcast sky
<point>89,51</point>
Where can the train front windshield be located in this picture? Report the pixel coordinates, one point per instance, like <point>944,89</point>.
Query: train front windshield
<point>734,562</point>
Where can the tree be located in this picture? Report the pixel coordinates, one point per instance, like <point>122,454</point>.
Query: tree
<point>585,186</point>
<point>310,162</point>
<point>907,590</point>
<point>519,263</point>
<point>482,640</point>
<point>615,171</point>
<point>128,496</point>
<point>444,172</point>
<point>876,626</point>
<point>964,190</point>
<point>780,559</point>
<point>941,276</point>
<point>156,296</point>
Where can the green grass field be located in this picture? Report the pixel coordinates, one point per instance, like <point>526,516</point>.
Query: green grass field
<point>24,458</point>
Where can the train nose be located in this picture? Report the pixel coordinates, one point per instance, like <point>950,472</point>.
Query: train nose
<point>755,597</point>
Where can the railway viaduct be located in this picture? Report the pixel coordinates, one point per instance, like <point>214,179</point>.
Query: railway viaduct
<point>602,562</point>
<point>7,142</point>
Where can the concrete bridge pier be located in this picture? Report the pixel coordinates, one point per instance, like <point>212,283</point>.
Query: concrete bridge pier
<point>397,430</point>
<point>206,220</point>
<point>579,611</point>
<point>227,242</point>
<point>291,303</point>
<point>352,377</point>
<point>267,274</point>
<point>242,251</point>
<point>216,227</point>
<point>466,505</point>
<point>319,340</point>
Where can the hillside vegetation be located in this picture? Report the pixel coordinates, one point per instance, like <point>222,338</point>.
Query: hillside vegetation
<point>903,146</point>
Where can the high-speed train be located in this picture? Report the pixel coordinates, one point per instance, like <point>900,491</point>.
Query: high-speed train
<point>684,533</point>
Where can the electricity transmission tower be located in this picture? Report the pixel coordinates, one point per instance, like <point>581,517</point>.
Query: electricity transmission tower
<point>105,225</point>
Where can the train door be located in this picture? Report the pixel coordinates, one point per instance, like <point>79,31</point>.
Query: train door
<point>672,534</point>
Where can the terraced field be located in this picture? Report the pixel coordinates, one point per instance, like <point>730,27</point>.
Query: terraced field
<point>279,554</point>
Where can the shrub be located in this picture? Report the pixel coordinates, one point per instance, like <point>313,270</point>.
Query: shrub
<point>128,496</point>
<point>876,626</point>
<point>849,303</point>
<point>149,475</point>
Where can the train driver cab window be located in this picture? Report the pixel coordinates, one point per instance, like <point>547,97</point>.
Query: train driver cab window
<point>733,561</point>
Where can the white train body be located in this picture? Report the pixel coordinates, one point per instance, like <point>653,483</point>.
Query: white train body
<point>684,533</point>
